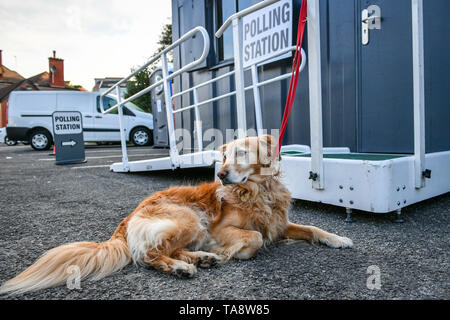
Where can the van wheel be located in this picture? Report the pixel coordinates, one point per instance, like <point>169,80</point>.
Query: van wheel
<point>141,136</point>
<point>40,140</point>
<point>10,142</point>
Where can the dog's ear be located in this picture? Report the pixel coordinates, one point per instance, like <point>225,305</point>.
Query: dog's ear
<point>266,148</point>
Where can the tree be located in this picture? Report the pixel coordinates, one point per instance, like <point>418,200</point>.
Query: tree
<point>75,86</point>
<point>141,80</point>
<point>165,40</point>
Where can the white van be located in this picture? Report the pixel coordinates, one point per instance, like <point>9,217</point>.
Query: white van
<point>30,117</point>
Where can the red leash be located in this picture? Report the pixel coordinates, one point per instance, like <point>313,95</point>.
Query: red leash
<point>295,72</point>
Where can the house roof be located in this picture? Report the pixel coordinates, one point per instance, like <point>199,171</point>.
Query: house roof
<point>39,77</point>
<point>10,74</point>
<point>40,81</point>
<point>4,92</point>
<point>9,77</point>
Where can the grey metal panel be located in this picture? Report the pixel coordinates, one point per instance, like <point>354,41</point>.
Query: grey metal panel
<point>437,75</point>
<point>177,15</point>
<point>160,129</point>
<point>273,99</point>
<point>386,105</point>
<point>386,81</point>
<point>226,108</point>
<point>193,13</point>
<point>340,106</point>
<point>177,29</point>
<point>249,103</point>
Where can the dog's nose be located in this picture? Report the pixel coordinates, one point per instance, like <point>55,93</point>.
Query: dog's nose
<point>222,174</point>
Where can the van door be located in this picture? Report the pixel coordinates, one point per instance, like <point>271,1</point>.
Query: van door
<point>107,125</point>
<point>83,103</point>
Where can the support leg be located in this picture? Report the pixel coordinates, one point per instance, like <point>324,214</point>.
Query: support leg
<point>399,218</point>
<point>349,215</point>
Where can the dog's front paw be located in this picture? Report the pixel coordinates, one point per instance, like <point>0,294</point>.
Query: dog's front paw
<point>184,270</point>
<point>345,242</point>
<point>209,260</point>
<point>337,242</point>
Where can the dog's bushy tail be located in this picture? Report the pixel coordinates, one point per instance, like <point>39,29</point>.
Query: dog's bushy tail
<point>91,259</point>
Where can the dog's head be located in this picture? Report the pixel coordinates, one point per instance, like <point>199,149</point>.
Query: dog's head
<point>247,159</point>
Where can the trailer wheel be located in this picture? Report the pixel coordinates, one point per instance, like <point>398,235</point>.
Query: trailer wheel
<point>141,136</point>
<point>41,139</point>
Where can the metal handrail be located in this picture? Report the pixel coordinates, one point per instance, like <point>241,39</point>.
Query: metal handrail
<point>185,37</point>
<point>242,13</point>
<point>203,84</point>
<point>226,95</point>
<point>284,51</point>
<point>165,81</point>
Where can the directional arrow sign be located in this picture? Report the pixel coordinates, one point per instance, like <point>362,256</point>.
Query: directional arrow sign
<point>68,137</point>
<point>68,143</point>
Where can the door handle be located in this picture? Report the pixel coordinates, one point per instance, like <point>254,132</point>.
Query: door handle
<point>366,20</point>
<point>369,23</point>
<point>98,116</point>
<point>87,116</point>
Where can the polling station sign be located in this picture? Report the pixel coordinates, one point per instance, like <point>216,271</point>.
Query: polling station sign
<point>68,137</point>
<point>266,32</point>
<point>67,122</point>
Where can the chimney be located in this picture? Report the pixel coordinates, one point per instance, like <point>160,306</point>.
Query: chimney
<point>1,66</point>
<point>56,71</point>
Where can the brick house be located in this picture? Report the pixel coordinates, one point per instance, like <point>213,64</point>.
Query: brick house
<point>47,80</point>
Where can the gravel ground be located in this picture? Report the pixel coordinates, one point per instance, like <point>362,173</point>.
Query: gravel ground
<point>43,205</point>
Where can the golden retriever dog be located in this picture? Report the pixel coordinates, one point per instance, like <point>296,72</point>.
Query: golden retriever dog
<point>182,228</point>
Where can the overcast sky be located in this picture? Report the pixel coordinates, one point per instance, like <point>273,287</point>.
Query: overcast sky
<point>96,38</point>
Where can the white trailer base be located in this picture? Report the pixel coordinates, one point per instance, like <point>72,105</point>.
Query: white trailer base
<point>190,160</point>
<point>377,186</point>
<point>196,160</point>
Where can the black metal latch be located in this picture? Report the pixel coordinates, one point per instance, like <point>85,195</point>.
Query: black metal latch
<point>427,173</point>
<point>313,176</point>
